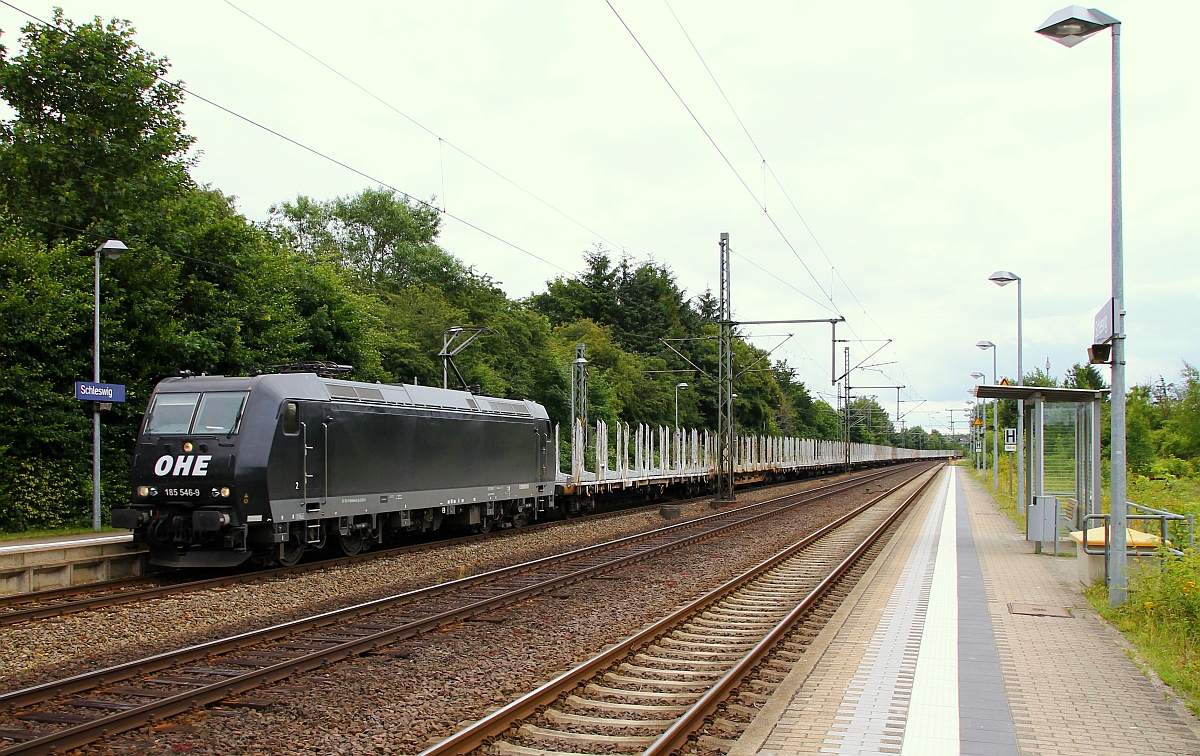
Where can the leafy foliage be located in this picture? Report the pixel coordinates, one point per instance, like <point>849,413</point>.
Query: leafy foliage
<point>98,133</point>
<point>96,149</point>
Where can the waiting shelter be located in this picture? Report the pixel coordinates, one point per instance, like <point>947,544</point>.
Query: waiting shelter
<point>1058,458</point>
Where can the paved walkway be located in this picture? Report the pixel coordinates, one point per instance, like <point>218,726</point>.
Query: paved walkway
<point>927,656</point>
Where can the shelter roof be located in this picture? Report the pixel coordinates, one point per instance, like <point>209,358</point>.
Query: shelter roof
<point>1047,394</point>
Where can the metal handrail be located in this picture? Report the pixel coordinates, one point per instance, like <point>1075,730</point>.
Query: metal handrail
<point>1161,518</point>
<point>1164,515</point>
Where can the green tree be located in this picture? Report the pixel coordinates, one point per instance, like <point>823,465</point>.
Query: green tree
<point>95,150</point>
<point>799,413</point>
<point>642,304</point>
<point>383,238</point>
<point>869,422</point>
<point>97,135</point>
<point>1084,377</point>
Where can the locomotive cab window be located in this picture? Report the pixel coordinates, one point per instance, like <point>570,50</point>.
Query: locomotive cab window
<point>220,412</point>
<point>171,413</point>
<point>291,419</point>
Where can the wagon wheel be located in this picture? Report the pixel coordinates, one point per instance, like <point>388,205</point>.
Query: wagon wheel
<point>352,544</point>
<point>292,549</point>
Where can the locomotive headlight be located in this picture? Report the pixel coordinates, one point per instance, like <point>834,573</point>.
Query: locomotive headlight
<point>224,493</point>
<point>187,446</point>
<point>143,491</point>
<point>153,491</point>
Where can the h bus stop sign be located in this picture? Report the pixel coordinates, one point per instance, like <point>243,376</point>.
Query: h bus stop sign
<point>99,392</point>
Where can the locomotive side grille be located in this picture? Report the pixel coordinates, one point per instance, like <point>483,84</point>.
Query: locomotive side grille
<point>341,392</point>
<point>503,405</point>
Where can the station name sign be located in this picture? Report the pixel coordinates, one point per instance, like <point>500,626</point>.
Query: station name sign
<point>1104,324</point>
<point>99,392</point>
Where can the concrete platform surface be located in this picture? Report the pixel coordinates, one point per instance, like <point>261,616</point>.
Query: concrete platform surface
<point>960,640</point>
<point>57,542</point>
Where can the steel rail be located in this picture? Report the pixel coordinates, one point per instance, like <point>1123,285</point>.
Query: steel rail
<point>91,598</point>
<point>87,732</point>
<point>89,602</point>
<point>678,733</point>
<point>476,735</point>
<point>87,680</point>
<point>67,591</point>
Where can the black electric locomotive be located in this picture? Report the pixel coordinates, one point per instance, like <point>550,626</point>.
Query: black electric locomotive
<point>266,467</point>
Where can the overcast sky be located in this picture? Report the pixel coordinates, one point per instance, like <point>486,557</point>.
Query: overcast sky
<point>926,144</point>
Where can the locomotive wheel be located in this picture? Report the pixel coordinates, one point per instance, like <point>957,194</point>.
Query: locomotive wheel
<point>485,526</point>
<point>351,544</point>
<point>291,550</point>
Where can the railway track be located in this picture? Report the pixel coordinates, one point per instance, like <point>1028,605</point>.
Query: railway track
<point>57,602</point>
<point>83,708</point>
<point>653,692</point>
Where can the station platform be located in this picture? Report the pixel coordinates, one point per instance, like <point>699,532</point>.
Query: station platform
<point>37,564</point>
<point>20,545</point>
<point>960,640</point>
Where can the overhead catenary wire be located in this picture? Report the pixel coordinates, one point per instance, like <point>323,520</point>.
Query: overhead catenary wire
<point>318,153</point>
<point>720,152</point>
<point>768,168</point>
<point>441,139</point>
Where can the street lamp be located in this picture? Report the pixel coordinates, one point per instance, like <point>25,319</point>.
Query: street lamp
<point>982,463</point>
<point>677,387</point>
<point>985,345</point>
<point>112,249</point>
<point>1004,278</point>
<point>1069,27</point>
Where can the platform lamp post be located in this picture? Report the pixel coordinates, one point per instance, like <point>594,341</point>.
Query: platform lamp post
<point>1004,278</point>
<point>1069,27</point>
<point>112,249</point>
<point>983,461</point>
<point>969,415</point>
<point>986,345</point>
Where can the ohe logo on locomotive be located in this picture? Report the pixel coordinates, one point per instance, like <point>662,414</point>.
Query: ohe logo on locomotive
<point>185,465</point>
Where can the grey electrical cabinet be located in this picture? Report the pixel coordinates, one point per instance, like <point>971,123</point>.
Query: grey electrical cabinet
<point>1041,519</point>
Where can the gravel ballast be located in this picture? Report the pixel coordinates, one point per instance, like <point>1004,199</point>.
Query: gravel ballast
<point>396,701</point>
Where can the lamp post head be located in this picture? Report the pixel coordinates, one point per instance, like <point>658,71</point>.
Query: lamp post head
<point>112,249</point>
<point>977,376</point>
<point>1003,277</point>
<point>1073,24</point>
<point>681,385</point>
<point>985,345</point>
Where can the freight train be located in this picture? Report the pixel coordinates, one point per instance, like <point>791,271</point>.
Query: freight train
<point>268,467</point>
